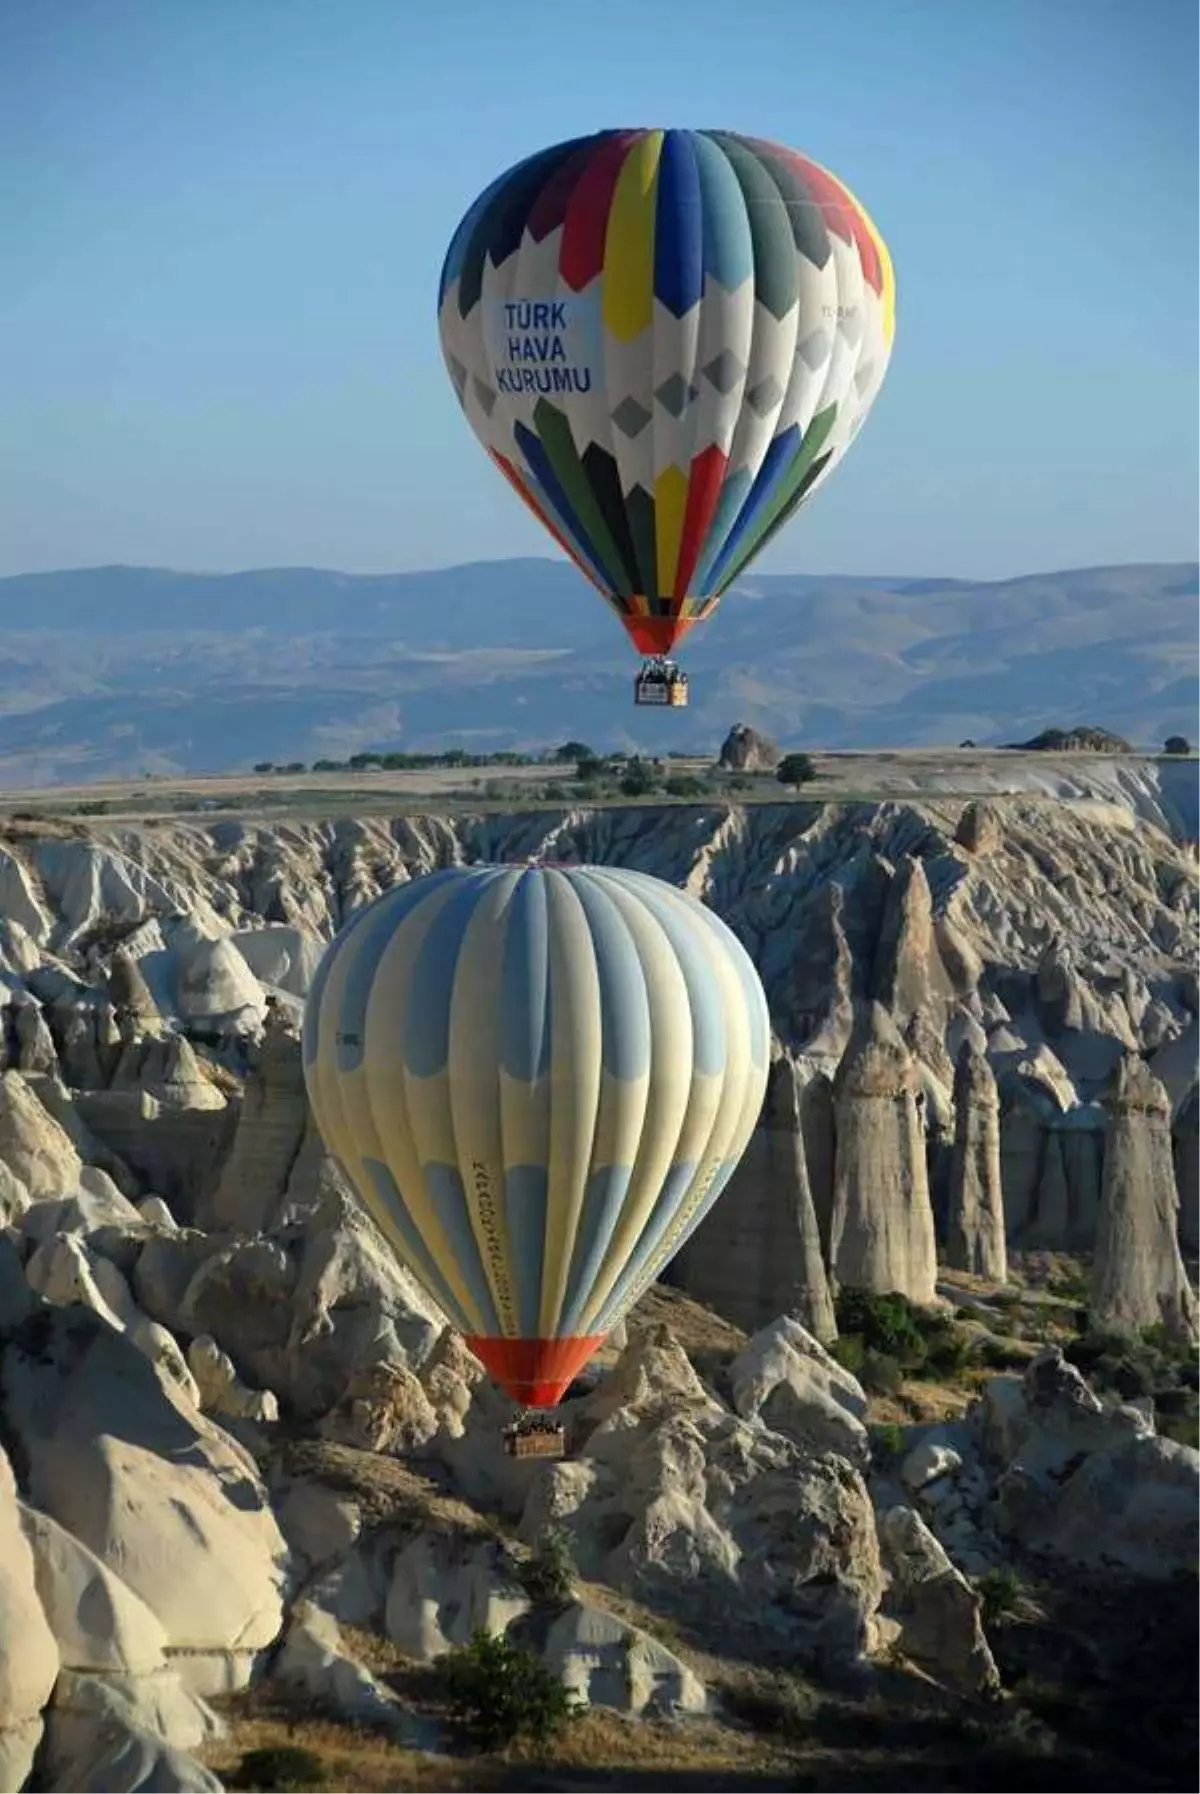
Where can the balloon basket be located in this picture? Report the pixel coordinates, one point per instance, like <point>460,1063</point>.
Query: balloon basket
<point>661,683</point>
<point>534,1437</point>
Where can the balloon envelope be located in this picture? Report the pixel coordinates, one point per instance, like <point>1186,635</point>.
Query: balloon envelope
<point>538,1080</point>
<point>666,340</point>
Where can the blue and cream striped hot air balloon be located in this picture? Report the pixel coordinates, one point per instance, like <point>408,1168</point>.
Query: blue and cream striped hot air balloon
<point>538,1079</point>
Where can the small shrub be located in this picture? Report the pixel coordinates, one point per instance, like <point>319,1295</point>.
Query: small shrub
<point>1086,1352</point>
<point>1071,1286</point>
<point>1182,1429</point>
<point>995,1355</point>
<point>884,1323</point>
<point>887,1444</point>
<point>1174,1401</point>
<point>548,1578</point>
<point>881,1374</point>
<point>999,1591</point>
<point>638,779</point>
<point>919,1342</point>
<point>781,1709</point>
<point>1168,1345</point>
<point>1047,1700</point>
<point>849,1351</point>
<point>281,1769</point>
<point>502,1691</point>
<point>1028,1733</point>
<point>1129,1375</point>
<point>948,1350</point>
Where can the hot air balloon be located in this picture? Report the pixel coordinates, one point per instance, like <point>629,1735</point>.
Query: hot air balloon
<point>538,1079</point>
<point>666,340</point>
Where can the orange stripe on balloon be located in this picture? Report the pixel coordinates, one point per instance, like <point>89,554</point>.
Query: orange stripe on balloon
<point>521,489</point>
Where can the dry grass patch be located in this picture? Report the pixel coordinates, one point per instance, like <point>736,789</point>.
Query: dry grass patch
<point>350,1757</point>
<point>601,1748</point>
<point>385,1488</point>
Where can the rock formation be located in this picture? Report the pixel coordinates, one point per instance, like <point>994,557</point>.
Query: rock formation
<point>140,1478</point>
<point>758,1252</point>
<point>130,994</point>
<point>32,1144</point>
<point>1186,1147</point>
<point>1138,1279</point>
<point>937,1610</point>
<point>745,750</point>
<point>980,829</point>
<point>29,1659</point>
<point>145,1360</point>
<point>908,973</point>
<point>822,996</point>
<point>785,1378</point>
<point>975,1222</point>
<point>270,1130</point>
<point>881,1229</point>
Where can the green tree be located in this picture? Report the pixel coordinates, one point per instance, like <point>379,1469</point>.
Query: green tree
<point>638,780</point>
<point>1177,744</point>
<point>548,1578</point>
<point>503,1691</point>
<point>795,769</point>
<point>264,766</point>
<point>574,750</point>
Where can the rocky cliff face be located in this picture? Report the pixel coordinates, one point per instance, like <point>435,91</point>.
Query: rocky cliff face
<point>1050,938</point>
<point>234,1421</point>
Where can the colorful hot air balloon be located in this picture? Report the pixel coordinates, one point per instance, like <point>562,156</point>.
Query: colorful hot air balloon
<point>666,340</point>
<point>538,1079</point>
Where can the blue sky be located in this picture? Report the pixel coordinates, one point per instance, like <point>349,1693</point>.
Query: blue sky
<point>223,220</point>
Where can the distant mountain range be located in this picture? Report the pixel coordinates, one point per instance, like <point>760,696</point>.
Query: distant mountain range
<point>116,671</point>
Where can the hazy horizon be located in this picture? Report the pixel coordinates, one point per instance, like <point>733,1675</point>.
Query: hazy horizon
<point>758,571</point>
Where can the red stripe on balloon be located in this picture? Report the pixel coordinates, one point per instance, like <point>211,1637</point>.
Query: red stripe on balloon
<point>581,256</point>
<point>535,1372</point>
<point>657,635</point>
<point>842,216</point>
<point>550,206</point>
<point>704,491</point>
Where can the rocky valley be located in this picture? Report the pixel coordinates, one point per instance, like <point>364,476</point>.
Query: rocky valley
<point>892,1483</point>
